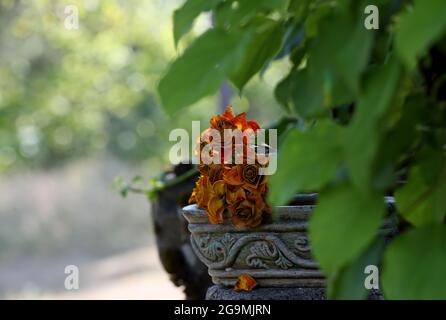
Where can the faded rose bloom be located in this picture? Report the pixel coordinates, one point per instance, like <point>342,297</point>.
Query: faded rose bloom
<point>232,176</point>
<point>247,213</point>
<point>226,148</point>
<point>252,124</point>
<point>236,187</point>
<point>240,121</point>
<point>223,121</point>
<point>203,169</point>
<point>234,194</point>
<point>215,172</point>
<point>200,194</point>
<point>250,174</point>
<point>216,204</point>
<point>245,175</point>
<point>213,142</point>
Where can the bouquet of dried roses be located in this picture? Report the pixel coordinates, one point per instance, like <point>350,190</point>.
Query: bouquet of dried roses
<point>224,186</point>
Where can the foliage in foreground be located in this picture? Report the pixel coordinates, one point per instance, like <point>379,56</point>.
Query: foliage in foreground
<point>371,109</point>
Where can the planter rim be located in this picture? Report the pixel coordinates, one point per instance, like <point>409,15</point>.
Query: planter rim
<point>193,214</point>
<point>277,253</point>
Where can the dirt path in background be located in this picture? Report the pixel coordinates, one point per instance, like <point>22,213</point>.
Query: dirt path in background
<point>135,274</point>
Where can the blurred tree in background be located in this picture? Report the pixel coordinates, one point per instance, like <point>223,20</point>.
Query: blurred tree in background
<point>79,107</point>
<point>66,94</point>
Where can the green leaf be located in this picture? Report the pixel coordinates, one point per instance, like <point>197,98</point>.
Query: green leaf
<point>264,42</point>
<point>293,41</point>
<point>137,179</point>
<point>347,64</point>
<point>201,69</point>
<point>422,200</point>
<point>306,161</point>
<point>414,264</point>
<point>348,283</point>
<point>233,13</point>
<point>354,56</point>
<point>313,20</point>
<point>299,7</point>
<point>124,191</point>
<point>183,18</point>
<point>343,224</point>
<point>397,142</point>
<point>283,92</point>
<point>332,76</point>
<point>307,98</point>
<point>362,137</point>
<point>283,125</point>
<point>419,28</point>
<point>117,182</point>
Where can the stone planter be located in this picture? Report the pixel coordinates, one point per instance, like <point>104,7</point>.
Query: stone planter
<point>277,255</point>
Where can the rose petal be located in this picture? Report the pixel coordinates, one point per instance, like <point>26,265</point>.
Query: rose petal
<point>245,214</point>
<point>233,196</point>
<point>219,188</point>
<point>245,283</point>
<point>215,210</point>
<point>240,121</point>
<point>228,113</point>
<point>252,124</point>
<point>192,198</point>
<point>231,176</point>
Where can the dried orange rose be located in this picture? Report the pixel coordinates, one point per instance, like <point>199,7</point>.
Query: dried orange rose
<point>231,176</point>
<point>250,174</point>
<point>240,121</point>
<point>245,283</point>
<point>225,147</point>
<point>261,189</point>
<point>223,121</point>
<point>216,204</point>
<point>229,113</point>
<point>237,187</point>
<point>200,193</point>
<point>245,175</point>
<point>203,169</point>
<point>252,124</point>
<point>234,194</point>
<point>215,172</point>
<point>247,213</point>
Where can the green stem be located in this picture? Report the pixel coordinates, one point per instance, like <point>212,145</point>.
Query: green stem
<point>168,184</point>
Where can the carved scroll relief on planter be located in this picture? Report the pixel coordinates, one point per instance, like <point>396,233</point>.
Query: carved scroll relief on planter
<point>254,250</point>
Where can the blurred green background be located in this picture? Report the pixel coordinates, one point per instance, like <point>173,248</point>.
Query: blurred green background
<point>78,107</point>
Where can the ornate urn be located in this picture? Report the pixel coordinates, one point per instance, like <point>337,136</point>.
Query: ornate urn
<point>276,255</point>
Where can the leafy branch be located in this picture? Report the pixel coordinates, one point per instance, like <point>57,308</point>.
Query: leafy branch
<point>366,106</point>
<point>155,185</point>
